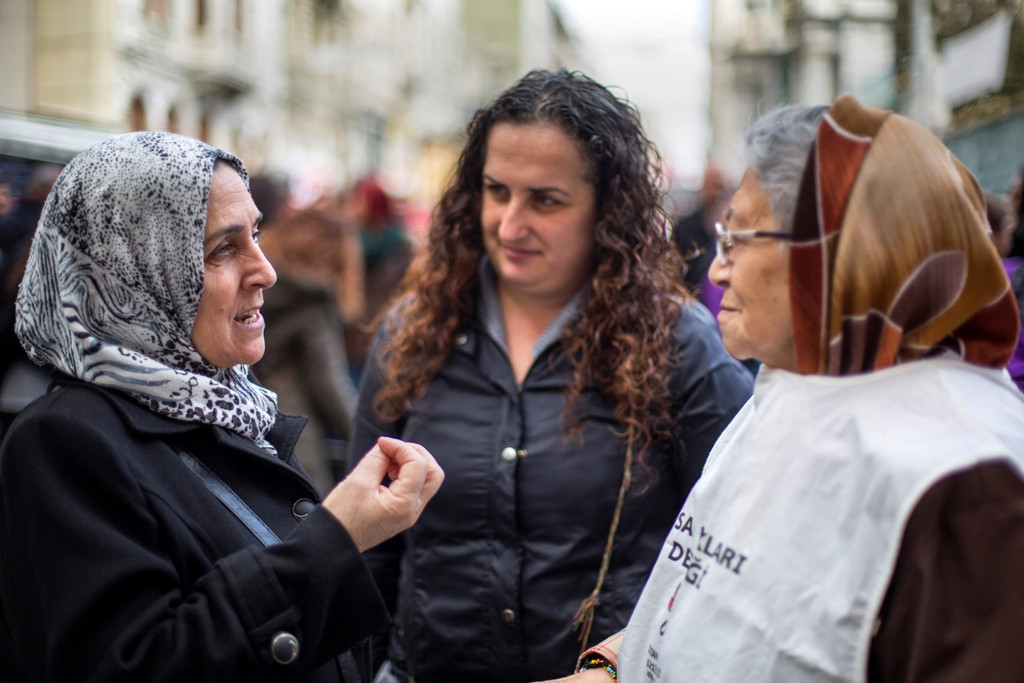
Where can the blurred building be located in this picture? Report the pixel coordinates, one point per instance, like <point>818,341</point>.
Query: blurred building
<point>961,72</point>
<point>487,45</point>
<point>765,53</point>
<point>491,44</point>
<point>324,90</point>
<point>507,38</point>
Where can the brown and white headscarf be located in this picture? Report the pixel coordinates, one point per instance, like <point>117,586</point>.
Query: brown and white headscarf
<point>891,259</point>
<point>115,275</point>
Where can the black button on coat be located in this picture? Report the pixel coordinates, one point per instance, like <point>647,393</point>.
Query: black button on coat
<point>118,564</point>
<point>488,580</point>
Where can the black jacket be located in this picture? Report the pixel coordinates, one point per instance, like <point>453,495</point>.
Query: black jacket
<point>488,580</point>
<point>118,564</point>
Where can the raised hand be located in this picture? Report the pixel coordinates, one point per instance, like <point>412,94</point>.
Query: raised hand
<point>372,512</point>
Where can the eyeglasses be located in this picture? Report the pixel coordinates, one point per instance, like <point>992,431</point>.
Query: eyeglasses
<point>724,238</point>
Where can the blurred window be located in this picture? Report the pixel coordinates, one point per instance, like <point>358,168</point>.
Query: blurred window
<point>137,114</point>
<point>156,12</point>
<point>204,127</point>
<point>325,10</point>
<point>172,120</point>
<point>239,15</point>
<point>156,7</point>
<point>201,13</point>
<point>325,14</point>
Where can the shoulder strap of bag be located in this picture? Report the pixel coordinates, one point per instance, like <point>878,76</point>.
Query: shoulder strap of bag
<point>230,499</point>
<point>259,529</point>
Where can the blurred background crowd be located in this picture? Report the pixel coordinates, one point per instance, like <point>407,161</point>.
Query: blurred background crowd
<point>350,115</point>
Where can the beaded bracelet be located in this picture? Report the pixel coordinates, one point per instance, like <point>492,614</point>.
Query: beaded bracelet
<point>598,662</point>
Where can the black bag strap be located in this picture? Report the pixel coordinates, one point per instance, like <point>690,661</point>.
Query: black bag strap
<point>230,499</point>
<point>259,529</point>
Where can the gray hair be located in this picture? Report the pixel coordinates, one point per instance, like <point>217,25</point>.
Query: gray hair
<point>777,146</point>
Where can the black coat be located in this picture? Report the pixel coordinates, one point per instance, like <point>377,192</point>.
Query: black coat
<point>118,564</point>
<point>488,580</point>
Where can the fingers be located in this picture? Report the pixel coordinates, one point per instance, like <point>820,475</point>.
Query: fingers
<point>407,483</point>
<point>421,449</point>
<point>431,462</point>
<point>373,513</point>
<point>392,457</point>
<point>372,468</point>
<point>435,475</point>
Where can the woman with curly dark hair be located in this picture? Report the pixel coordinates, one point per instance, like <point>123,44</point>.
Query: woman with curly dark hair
<point>542,347</point>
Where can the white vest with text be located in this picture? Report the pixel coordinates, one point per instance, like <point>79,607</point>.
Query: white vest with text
<point>781,556</point>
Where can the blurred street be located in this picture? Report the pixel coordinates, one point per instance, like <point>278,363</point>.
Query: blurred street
<point>325,92</point>
<point>350,114</point>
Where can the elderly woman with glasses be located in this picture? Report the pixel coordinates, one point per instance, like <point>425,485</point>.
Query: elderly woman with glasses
<point>862,518</point>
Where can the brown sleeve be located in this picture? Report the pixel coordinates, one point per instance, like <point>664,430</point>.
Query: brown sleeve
<point>955,606</point>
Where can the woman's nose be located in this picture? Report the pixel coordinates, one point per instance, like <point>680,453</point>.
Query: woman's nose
<point>718,274</point>
<point>262,274</point>
<point>514,222</point>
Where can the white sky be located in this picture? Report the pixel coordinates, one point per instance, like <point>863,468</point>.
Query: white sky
<point>655,51</point>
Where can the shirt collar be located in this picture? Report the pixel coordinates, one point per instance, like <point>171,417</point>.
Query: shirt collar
<point>489,313</point>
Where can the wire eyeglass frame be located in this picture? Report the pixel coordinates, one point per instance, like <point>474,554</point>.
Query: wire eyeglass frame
<point>724,239</point>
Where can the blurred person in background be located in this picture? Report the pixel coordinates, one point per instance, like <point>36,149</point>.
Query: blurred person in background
<point>387,253</point>
<point>693,236</point>
<point>1015,195</point>
<point>319,267</point>
<point>270,192</point>
<point>1003,225</point>
<point>542,344</point>
<point>21,381</point>
<point>6,197</point>
<point>155,524</point>
<point>1016,251</point>
<point>17,228</point>
<point>862,519</point>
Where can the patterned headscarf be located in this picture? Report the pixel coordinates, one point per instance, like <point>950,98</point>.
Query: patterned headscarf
<point>115,275</point>
<point>891,260</point>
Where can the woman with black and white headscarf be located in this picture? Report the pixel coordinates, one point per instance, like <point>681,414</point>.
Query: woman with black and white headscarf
<point>154,522</point>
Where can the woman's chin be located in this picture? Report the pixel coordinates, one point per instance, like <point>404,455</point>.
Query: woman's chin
<point>237,354</point>
<point>728,324</point>
<point>251,355</point>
